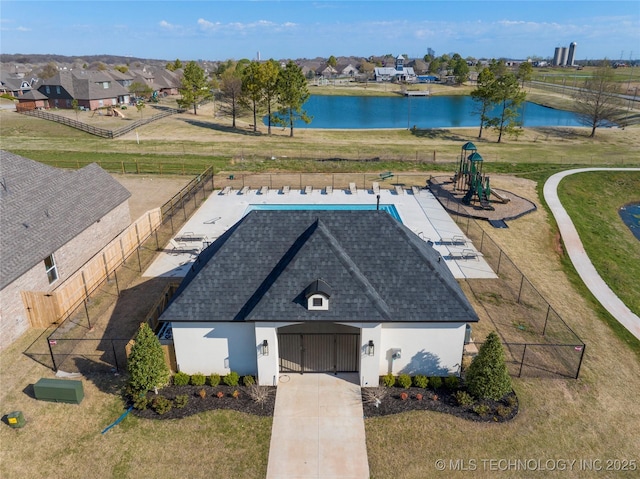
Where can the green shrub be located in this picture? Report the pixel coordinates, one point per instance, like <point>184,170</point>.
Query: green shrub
<point>404,381</point>
<point>181,379</point>
<point>463,398</point>
<point>198,379</point>
<point>420,381</point>
<point>141,402</point>
<point>503,411</point>
<point>214,380</point>
<point>248,380</point>
<point>232,379</point>
<point>451,383</point>
<point>389,380</point>
<point>146,364</point>
<point>181,401</point>
<point>512,400</point>
<point>161,404</point>
<point>435,382</point>
<point>481,410</point>
<point>488,377</point>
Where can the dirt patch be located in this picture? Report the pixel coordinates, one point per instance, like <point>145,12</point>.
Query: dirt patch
<point>148,192</point>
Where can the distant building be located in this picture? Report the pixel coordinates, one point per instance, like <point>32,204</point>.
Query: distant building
<point>397,73</point>
<point>565,57</point>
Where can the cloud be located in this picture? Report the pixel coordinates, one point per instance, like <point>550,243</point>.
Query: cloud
<point>23,29</point>
<point>239,27</point>
<point>207,25</point>
<point>166,25</point>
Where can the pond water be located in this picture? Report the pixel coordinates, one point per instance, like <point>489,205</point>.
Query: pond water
<point>630,214</point>
<point>357,112</point>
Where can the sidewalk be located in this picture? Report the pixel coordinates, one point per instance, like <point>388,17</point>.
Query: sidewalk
<point>578,255</point>
<point>318,428</point>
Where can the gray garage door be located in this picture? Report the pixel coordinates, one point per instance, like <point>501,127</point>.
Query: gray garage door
<point>318,352</point>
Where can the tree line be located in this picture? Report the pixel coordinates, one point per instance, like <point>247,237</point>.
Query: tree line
<point>268,88</point>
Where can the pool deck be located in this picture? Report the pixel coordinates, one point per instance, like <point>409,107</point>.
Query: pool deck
<point>419,210</point>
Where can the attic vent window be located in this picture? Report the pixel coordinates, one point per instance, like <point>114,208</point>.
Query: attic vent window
<point>318,294</point>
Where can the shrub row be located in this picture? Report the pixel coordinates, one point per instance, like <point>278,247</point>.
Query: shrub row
<point>232,379</point>
<point>435,382</point>
<point>161,404</point>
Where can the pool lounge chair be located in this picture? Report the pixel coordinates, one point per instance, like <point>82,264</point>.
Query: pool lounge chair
<point>308,189</point>
<point>328,190</point>
<point>375,187</point>
<point>352,188</point>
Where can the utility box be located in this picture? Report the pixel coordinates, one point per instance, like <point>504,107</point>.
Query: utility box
<point>59,390</point>
<point>16,419</point>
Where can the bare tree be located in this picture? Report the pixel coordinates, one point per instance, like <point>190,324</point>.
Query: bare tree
<point>597,102</point>
<point>230,93</point>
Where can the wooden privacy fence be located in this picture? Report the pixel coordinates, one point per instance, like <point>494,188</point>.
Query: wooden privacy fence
<point>47,308</point>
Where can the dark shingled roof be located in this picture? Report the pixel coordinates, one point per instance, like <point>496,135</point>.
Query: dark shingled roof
<point>42,208</point>
<point>378,269</point>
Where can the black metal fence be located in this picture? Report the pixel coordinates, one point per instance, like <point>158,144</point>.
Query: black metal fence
<point>537,341</point>
<point>69,345</point>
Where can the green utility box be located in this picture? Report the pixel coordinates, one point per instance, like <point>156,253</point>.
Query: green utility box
<point>16,419</point>
<point>59,390</point>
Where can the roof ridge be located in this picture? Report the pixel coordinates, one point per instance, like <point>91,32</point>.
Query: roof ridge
<point>355,272</point>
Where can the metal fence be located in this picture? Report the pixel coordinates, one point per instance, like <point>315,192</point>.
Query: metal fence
<point>537,341</point>
<point>69,345</point>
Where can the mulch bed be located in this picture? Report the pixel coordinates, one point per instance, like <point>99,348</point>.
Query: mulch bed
<point>441,400</point>
<point>196,404</point>
<point>446,403</point>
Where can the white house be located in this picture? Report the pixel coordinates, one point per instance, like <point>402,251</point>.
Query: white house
<point>397,73</point>
<point>319,291</point>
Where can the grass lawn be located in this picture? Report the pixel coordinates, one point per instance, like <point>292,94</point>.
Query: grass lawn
<point>592,418</point>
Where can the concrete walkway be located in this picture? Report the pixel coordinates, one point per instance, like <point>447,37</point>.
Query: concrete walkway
<point>318,428</point>
<point>578,255</point>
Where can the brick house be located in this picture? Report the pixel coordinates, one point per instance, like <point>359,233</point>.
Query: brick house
<point>52,222</point>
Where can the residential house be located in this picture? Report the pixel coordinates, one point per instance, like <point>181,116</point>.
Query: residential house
<point>92,90</point>
<point>32,100</point>
<point>52,221</point>
<point>319,291</point>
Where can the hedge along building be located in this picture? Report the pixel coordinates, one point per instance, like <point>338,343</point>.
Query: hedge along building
<point>52,221</point>
<point>319,291</point>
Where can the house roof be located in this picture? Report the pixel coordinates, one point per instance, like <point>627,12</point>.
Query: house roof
<point>378,271</point>
<point>32,95</point>
<point>42,208</point>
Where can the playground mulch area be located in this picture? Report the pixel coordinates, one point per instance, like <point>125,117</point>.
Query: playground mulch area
<point>444,188</point>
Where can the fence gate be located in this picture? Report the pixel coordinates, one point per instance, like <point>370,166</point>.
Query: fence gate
<point>319,352</point>
<point>42,308</point>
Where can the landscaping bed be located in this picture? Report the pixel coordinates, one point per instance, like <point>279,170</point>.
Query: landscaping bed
<point>441,400</point>
<point>210,400</point>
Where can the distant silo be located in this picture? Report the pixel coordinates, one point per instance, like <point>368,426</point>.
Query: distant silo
<point>572,54</point>
<point>556,57</point>
<point>564,54</point>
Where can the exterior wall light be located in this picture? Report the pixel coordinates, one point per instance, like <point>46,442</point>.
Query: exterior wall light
<point>265,348</point>
<point>371,349</point>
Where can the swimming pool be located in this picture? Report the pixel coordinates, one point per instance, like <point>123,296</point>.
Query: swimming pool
<point>391,209</point>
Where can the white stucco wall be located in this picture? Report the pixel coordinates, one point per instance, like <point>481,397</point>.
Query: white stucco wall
<point>209,348</point>
<point>429,349</point>
<point>369,365</point>
<point>268,366</point>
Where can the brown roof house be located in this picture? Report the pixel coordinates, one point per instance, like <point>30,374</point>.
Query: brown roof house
<point>52,221</point>
<point>92,89</point>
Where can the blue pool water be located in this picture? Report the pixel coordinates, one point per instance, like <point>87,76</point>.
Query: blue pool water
<point>630,214</point>
<point>391,209</point>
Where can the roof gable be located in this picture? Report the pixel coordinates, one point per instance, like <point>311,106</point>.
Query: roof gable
<point>378,270</point>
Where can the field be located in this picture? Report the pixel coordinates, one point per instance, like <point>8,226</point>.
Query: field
<point>593,418</point>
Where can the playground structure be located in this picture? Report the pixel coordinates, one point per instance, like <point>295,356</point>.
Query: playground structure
<point>470,179</point>
<point>110,111</point>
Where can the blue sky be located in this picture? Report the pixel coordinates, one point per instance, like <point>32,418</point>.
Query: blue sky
<point>217,30</point>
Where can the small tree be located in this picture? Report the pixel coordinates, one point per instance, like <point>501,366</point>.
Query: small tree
<point>292,94</point>
<point>194,87</point>
<point>488,377</point>
<point>597,102</point>
<point>146,364</point>
<point>75,106</point>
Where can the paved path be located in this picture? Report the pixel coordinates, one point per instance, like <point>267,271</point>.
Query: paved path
<point>318,429</point>
<point>578,255</point>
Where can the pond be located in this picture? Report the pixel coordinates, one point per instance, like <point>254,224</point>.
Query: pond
<point>630,214</point>
<point>359,112</point>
